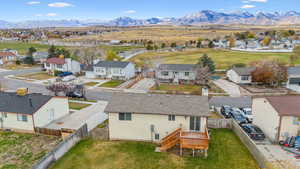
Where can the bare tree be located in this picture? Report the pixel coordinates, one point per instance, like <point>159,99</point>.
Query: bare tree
<point>202,75</point>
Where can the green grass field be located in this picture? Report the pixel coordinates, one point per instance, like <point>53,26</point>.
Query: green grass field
<point>225,152</point>
<point>180,88</point>
<point>23,47</point>
<point>112,83</point>
<point>223,58</point>
<point>77,106</point>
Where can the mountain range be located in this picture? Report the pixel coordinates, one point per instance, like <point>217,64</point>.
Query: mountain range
<point>198,18</point>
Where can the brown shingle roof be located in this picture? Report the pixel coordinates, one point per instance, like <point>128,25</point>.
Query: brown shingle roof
<point>286,105</point>
<point>159,104</point>
<point>5,54</point>
<point>58,61</point>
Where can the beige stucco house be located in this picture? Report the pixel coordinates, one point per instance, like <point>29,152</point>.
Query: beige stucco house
<point>240,75</point>
<point>25,112</point>
<point>277,116</point>
<point>151,117</point>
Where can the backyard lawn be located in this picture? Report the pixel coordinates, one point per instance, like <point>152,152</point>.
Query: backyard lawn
<point>223,58</point>
<point>112,83</point>
<point>91,84</point>
<point>21,151</point>
<point>37,76</point>
<point>179,88</point>
<point>226,152</point>
<point>78,106</point>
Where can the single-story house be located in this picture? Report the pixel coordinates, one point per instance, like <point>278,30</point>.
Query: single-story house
<point>217,102</point>
<point>277,116</point>
<point>25,112</point>
<point>40,57</point>
<point>62,64</point>
<point>110,70</point>
<point>293,82</point>
<point>151,117</point>
<point>176,73</point>
<point>240,75</point>
<point>7,57</point>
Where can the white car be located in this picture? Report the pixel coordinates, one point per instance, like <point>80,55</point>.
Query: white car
<point>68,78</point>
<point>247,113</point>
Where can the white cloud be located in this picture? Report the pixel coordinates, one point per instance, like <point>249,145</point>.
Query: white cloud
<point>130,12</point>
<point>248,6</point>
<point>60,4</point>
<point>264,1</point>
<point>51,14</point>
<point>33,3</point>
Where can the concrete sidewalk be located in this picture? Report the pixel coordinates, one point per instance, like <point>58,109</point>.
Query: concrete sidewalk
<point>229,87</point>
<point>144,84</point>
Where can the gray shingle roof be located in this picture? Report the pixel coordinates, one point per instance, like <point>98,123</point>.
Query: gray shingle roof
<point>113,64</point>
<point>177,67</point>
<point>13,103</point>
<point>294,70</point>
<point>239,102</point>
<point>158,104</point>
<point>243,71</point>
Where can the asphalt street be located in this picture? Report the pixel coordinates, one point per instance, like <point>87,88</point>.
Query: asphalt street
<point>13,84</point>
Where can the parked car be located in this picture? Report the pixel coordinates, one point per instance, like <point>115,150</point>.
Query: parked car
<point>75,94</point>
<point>225,111</point>
<point>247,113</point>
<point>64,74</point>
<point>240,119</point>
<point>68,78</point>
<point>253,131</point>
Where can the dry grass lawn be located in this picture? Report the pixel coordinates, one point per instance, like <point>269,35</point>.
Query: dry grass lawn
<point>21,151</point>
<point>37,76</point>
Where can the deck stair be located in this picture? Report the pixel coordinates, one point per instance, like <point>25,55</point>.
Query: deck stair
<point>170,140</point>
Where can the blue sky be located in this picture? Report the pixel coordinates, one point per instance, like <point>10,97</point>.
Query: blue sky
<point>18,10</point>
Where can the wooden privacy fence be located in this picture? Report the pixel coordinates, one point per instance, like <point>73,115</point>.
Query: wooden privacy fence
<point>47,131</point>
<point>219,123</point>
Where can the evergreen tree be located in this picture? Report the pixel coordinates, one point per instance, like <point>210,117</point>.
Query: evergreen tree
<point>206,61</point>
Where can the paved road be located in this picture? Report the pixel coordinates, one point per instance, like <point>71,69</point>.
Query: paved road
<point>144,84</point>
<point>229,87</point>
<point>13,84</point>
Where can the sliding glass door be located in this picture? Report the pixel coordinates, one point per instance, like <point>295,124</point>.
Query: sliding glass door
<point>195,123</point>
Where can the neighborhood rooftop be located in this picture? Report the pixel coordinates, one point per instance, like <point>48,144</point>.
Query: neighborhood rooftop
<point>243,71</point>
<point>28,104</point>
<point>239,102</point>
<point>286,105</point>
<point>159,104</point>
<point>294,70</point>
<point>112,64</point>
<point>177,67</point>
<point>58,61</point>
<point>5,54</point>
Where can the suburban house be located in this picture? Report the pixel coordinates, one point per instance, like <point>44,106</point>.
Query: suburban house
<point>7,57</point>
<point>277,116</point>
<point>240,75</point>
<point>176,73</point>
<point>111,70</point>
<point>40,57</point>
<point>61,64</point>
<point>24,112</point>
<point>293,82</point>
<point>158,117</point>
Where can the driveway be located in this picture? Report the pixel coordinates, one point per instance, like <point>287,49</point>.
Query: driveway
<point>144,84</point>
<point>92,116</point>
<point>231,88</point>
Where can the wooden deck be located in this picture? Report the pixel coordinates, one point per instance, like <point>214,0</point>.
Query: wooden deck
<point>186,140</point>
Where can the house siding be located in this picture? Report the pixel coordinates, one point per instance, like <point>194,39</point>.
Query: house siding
<point>234,77</point>
<point>294,87</point>
<point>139,128</point>
<point>58,106</point>
<point>266,117</point>
<point>288,127</point>
<point>11,122</point>
<point>114,73</point>
<point>172,77</point>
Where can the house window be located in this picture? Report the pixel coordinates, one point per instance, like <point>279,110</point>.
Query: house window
<point>59,66</point>
<point>116,71</point>
<point>187,73</point>
<point>171,117</point>
<point>5,115</point>
<point>47,64</point>
<point>296,120</point>
<point>245,77</point>
<point>164,73</point>
<point>22,117</point>
<point>156,136</point>
<point>125,116</point>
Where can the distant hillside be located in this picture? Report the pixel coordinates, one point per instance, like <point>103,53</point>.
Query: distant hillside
<point>199,18</point>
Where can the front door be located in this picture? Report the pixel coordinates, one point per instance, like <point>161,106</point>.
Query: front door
<point>195,123</point>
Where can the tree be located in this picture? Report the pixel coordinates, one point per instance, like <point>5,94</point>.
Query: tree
<point>270,73</point>
<point>199,43</point>
<point>29,60</point>
<point>211,44</point>
<point>266,41</point>
<point>31,51</point>
<point>231,42</point>
<point>202,75</point>
<point>149,47</point>
<point>163,45</point>
<point>52,52</point>
<point>206,61</point>
<point>173,45</point>
<point>112,56</point>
